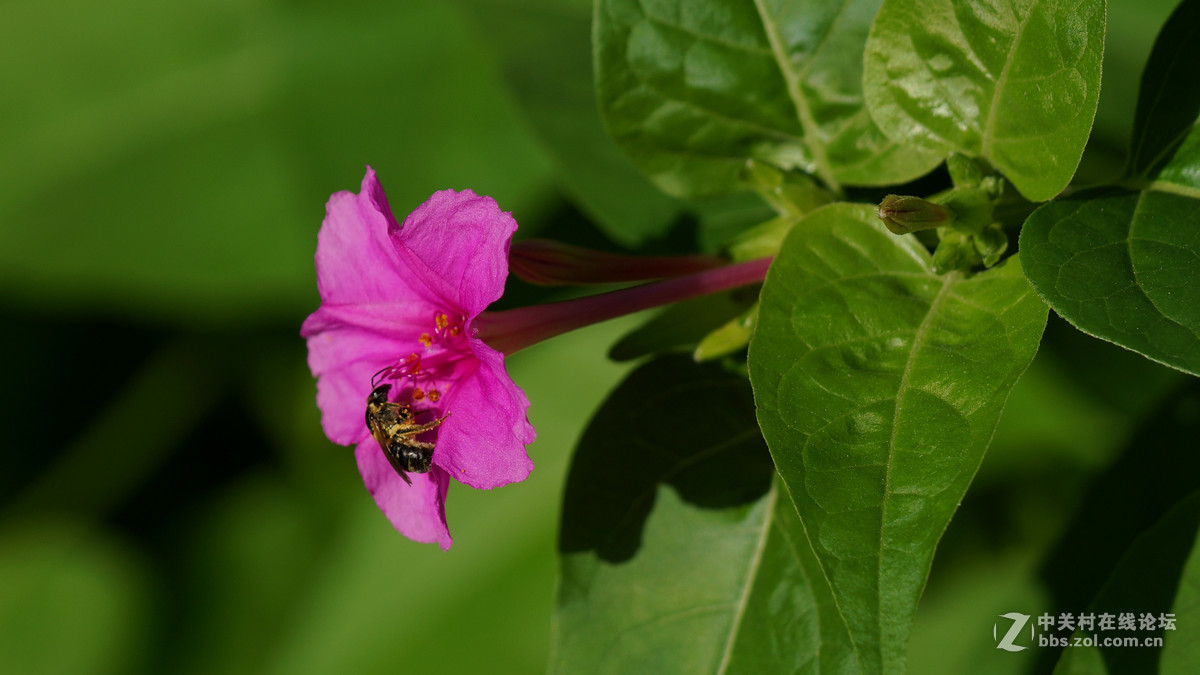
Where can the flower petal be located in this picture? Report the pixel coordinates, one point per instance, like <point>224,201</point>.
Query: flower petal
<point>417,511</point>
<point>461,239</point>
<point>346,346</point>
<point>482,442</point>
<point>356,260</point>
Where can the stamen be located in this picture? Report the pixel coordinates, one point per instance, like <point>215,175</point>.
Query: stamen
<point>423,372</point>
<point>409,365</point>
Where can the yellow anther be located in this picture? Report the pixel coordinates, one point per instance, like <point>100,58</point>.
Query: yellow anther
<point>434,395</point>
<point>418,394</point>
<point>426,339</point>
<point>442,321</point>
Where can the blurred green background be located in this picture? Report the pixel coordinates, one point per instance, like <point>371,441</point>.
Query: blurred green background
<point>168,502</point>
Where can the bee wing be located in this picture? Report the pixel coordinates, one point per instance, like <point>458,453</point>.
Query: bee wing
<point>380,434</point>
<point>394,459</point>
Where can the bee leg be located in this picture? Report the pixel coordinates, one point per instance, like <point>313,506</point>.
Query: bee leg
<point>429,425</point>
<point>405,477</point>
<point>422,428</point>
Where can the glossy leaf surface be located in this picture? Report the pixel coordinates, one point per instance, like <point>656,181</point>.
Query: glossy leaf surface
<point>1015,83</point>
<point>691,90</point>
<point>1122,266</point>
<point>878,386</point>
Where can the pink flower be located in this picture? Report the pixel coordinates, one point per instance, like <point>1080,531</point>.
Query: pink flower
<point>397,304</point>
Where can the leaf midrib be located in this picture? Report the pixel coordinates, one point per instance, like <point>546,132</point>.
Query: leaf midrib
<point>1133,222</point>
<point>748,586</point>
<point>1001,80</point>
<point>811,129</point>
<point>918,339</point>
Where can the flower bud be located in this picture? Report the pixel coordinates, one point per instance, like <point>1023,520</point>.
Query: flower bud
<point>901,214</point>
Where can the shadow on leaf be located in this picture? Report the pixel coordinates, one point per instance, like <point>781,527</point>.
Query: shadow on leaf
<point>670,422</point>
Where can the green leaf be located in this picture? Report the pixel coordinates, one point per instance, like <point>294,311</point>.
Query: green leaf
<point>1165,151</point>
<point>731,337</point>
<point>1181,174</point>
<point>1122,266</point>
<point>678,555</point>
<point>1181,647</point>
<point>545,50</point>
<point>1148,580</point>
<point>1015,83</point>
<point>1169,99</point>
<point>878,385</point>
<point>691,91</point>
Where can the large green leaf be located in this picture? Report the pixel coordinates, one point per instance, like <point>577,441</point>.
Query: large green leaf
<point>691,90</point>
<point>1016,83</point>
<point>878,386</point>
<point>678,554</point>
<point>1123,266</point>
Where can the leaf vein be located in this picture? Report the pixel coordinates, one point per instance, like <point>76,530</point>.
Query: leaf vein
<point>922,330</point>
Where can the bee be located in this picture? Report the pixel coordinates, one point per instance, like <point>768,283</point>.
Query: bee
<point>393,427</point>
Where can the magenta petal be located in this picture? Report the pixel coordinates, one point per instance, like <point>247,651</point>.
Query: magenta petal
<point>357,263</point>
<point>346,346</point>
<point>482,443</point>
<point>462,240</point>
<point>398,302</point>
<point>417,511</point>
